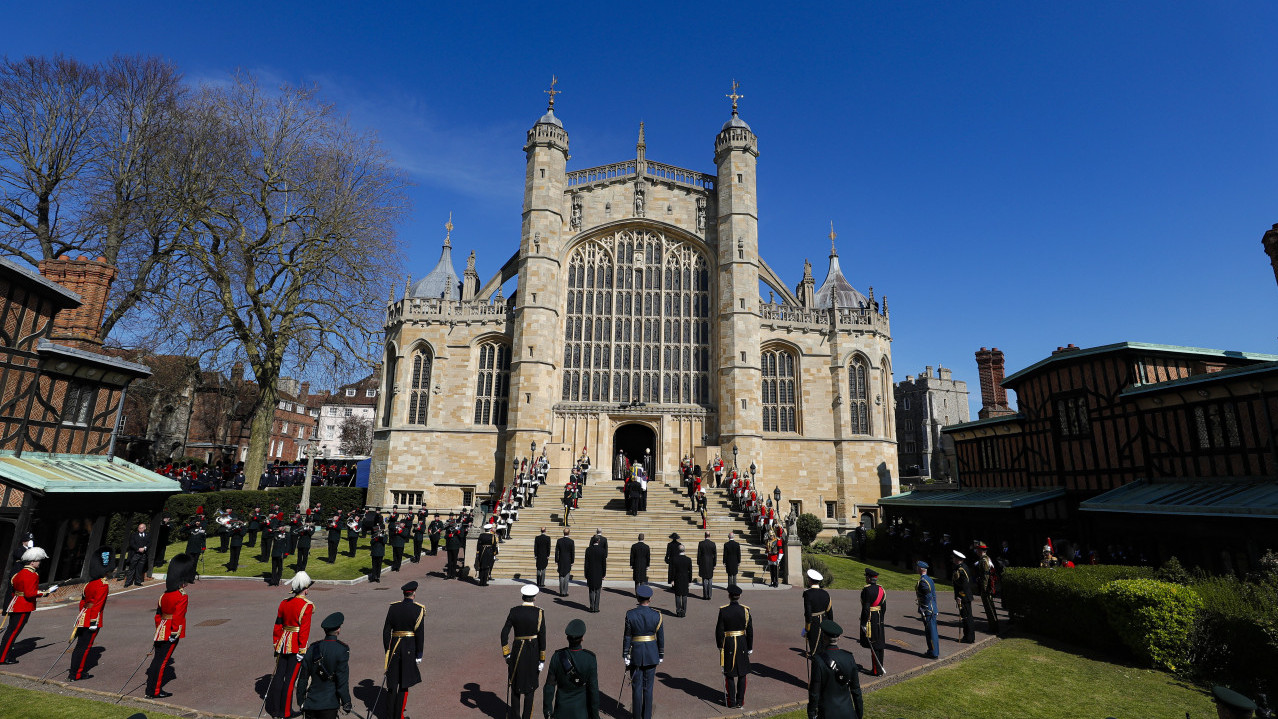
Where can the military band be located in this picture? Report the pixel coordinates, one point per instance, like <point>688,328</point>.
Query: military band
<point>523,645</point>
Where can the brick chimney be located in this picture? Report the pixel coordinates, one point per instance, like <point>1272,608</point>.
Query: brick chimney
<point>237,372</point>
<point>989,364</point>
<point>91,279</point>
<point>306,391</point>
<point>1270,241</point>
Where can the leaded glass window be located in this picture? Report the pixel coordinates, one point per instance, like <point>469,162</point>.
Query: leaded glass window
<point>647,298</point>
<point>780,408</point>
<point>492,388</point>
<point>859,395</point>
<point>419,389</point>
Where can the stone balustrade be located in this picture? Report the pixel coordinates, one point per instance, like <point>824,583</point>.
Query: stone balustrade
<point>777,315</point>
<point>432,309</point>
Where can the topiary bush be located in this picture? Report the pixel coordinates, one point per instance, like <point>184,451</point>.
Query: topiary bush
<point>844,544</point>
<point>813,562</point>
<point>1153,618</point>
<point>809,527</point>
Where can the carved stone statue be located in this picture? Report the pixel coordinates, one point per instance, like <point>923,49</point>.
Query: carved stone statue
<point>576,212</point>
<point>639,199</point>
<point>701,215</point>
<point>470,262</point>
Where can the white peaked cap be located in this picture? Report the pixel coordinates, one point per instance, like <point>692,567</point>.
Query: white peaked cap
<point>815,576</point>
<point>33,554</point>
<point>529,590</point>
<point>300,581</point>
<point>959,554</point>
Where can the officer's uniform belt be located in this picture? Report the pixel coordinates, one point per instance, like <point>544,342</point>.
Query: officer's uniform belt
<point>644,638</point>
<point>403,634</point>
<point>876,609</point>
<point>525,639</point>
<point>735,633</point>
<point>166,616</point>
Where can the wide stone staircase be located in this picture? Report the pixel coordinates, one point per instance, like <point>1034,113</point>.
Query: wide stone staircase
<point>603,507</point>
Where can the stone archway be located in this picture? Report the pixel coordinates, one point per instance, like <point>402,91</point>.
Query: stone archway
<point>633,439</point>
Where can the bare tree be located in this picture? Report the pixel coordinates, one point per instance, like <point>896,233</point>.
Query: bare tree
<point>291,216</point>
<point>357,436</point>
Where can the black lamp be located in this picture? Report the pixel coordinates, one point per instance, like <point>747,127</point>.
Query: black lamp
<point>777,494</point>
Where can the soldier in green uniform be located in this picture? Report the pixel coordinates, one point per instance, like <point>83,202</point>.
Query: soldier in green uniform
<point>1232,705</point>
<point>963,597</point>
<point>572,682</point>
<point>834,689</point>
<point>734,635</point>
<point>325,677</point>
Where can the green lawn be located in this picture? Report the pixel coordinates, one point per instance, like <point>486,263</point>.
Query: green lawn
<point>850,574</point>
<point>33,704</point>
<point>1035,679</point>
<point>346,567</point>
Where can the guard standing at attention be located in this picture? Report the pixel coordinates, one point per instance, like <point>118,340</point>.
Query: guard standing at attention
<point>452,546</point>
<point>170,623</point>
<point>643,647</point>
<point>541,552</point>
<point>26,590</point>
<point>435,530</point>
<point>640,560</point>
<point>963,596</point>
<point>92,603</point>
<point>237,545</point>
<point>376,552</point>
<point>707,558</point>
<point>986,584</point>
<point>834,689</point>
<point>485,553</point>
<point>289,636</point>
<point>682,565</point>
<point>325,678</point>
<point>404,639</point>
<point>817,607</point>
<point>565,555</point>
<point>925,596</point>
<point>279,550</point>
<point>525,654</point>
<point>572,683</point>
<point>873,608</point>
<point>732,557</point>
<point>734,635</point>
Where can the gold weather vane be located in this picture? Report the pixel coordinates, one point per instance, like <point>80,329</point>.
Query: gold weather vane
<point>734,96</point>
<point>552,91</point>
<point>832,236</point>
<point>448,229</point>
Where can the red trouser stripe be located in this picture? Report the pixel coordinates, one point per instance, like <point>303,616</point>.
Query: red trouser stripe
<point>403,705</point>
<point>14,631</point>
<point>159,676</point>
<point>292,685</point>
<point>79,671</point>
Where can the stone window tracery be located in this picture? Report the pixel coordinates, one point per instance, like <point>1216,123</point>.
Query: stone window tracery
<point>859,393</point>
<point>780,406</point>
<point>492,385</point>
<point>419,389</point>
<point>643,300</point>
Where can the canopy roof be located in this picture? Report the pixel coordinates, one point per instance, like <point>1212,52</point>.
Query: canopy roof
<point>973,498</point>
<point>1255,498</point>
<point>66,473</point>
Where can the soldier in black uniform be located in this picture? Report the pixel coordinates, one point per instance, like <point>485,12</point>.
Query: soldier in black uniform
<point>376,551</point>
<point>268,536</point>
<point>541,552</point>
<point>963,597</point>
<point>279,550</point>
<point>672,551</point>
<point>404,639</point>
<point>732,557</point>
<point>419,534</point>
<point>565,555</point>
<point>834,689</point>
<point>572,683</point>
<point>452,546</point>
<point>334,536</point>
<point>398,539</point>
<point>873,608</point>
<point>525,654</point>
<point>254,526</point>
<point>325,677</point>
<point>596,568</point>
<point>986,584</point>
<point>237,545</point>
<point>682,566</point>
<point>304,534</point>
<point>734,635</point>
<point>640,559</point>
<point>485,553</point>
<point>707,558</point>
<point>817,607</point>
<point>435,530</point>
<point>352,533</point>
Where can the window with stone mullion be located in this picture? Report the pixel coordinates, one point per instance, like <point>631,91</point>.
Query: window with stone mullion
<point>858,394</point>
<point>492,384</point>
<point>780,410</point>
<point>419,388</point>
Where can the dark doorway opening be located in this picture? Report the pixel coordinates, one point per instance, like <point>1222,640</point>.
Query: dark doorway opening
<point>633,442</point>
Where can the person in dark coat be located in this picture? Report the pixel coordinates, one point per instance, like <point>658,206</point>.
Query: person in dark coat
<point>541,552</point>
<point>279,550</point>
<point>643,647</point>
<point>436,531</point>
<point>324,684</point>
<point>682,566</point>
<point>452,547</point>
<point>404,639</point>
<point>162,537</point>
<point>640,559</point>
<point>195,535</point>
<point>485,553</point>
<point>596,569</point>
<point>963,596</point>
<point>139,541</point>
<point>303,544</point>
<point>672,551</point>
<point>419,534</point>
<point>254,526</point>
<point>873,609</point>
<point>376,552</point>
<point>817,607</point>
<point>237,545</point>
<point>834,687</point>
<point>732,557</point>
<point>268,536</point>
<point>572,682</point>
<point>398,539</point>
<point>352,535</point>
<point>707,558</point>
<point>334,536</point>
<point>565,555</point>
<point>523,644</point>
<point>734,635</point>
<point>925,598</point>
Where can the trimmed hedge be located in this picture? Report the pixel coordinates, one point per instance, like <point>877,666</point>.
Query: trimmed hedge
<point>1065,603</point>
<point>1153,618</point>
<point>242,502</point>
<point>809,527</point>
<point>1236,635</point>
<point>813,562</point>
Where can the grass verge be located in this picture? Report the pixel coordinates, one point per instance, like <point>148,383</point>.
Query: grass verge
<point>850,574</point>
<point>344,567</point>
<point>35,704</point>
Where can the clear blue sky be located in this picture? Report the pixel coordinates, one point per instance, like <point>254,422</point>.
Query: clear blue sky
<point>1017,174</point>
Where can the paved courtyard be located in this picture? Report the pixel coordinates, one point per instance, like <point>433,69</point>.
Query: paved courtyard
<point>224,663</point>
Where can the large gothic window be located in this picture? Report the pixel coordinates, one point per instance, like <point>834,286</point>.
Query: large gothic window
<point>492,387</point>
<point>419,389</point>
<point>637,326</point>
<point>780,409</point>
<point>859,394</point>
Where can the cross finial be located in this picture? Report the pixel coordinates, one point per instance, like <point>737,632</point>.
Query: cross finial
<point>448,230</point>
<point>552,91</point>
<point>734,96</point>
<point>832,236</point>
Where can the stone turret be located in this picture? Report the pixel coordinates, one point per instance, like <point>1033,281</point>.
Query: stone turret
<point>470,280</point>
<point>806,291</point>
<point>441,282</point>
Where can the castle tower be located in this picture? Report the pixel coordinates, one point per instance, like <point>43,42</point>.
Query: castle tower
<point>537,300</point>
<point>736,152</point>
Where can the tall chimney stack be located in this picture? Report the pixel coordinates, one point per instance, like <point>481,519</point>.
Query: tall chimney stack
<point>80,327</point>
<point>989,364</point>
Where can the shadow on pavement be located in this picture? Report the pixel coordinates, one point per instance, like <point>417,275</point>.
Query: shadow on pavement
<point>365,693</point>
<point>487,702</point>
<point>775,674</point>
<point>693,688</point>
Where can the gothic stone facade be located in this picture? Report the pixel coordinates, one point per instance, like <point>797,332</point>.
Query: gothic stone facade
<point>637,322</point>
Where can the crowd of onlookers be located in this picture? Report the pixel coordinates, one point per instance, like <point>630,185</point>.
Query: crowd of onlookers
<point>200,477</point>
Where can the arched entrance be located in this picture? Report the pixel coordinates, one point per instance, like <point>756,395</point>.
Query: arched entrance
<point>633,442</point>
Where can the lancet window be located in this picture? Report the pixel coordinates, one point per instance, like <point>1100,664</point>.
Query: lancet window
<point>419,389</point>
<point>780,408</point>
<point>637,326</point>
<point>859,394</point>
<point>492,384</point>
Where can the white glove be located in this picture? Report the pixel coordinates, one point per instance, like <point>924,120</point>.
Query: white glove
<point>299,656</point>
<point>749,651</point>
<point>419,660</point>
<point>662,659</point>
<point>627,661</point>
<point>541,666</point>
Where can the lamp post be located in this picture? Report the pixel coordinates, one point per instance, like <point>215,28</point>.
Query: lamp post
<point>534,449</point>
<point>776,494</point>
<point>753,469</point>
<point>734,457</point>
<point>311,450</point>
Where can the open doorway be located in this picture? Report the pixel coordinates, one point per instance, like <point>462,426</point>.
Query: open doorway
<point>634,443</point>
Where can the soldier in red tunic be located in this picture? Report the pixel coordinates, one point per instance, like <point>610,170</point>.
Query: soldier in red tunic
<point>170,623</point>
<point>26,590</point>
<point>92,602</point>
<point>290,636</point>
